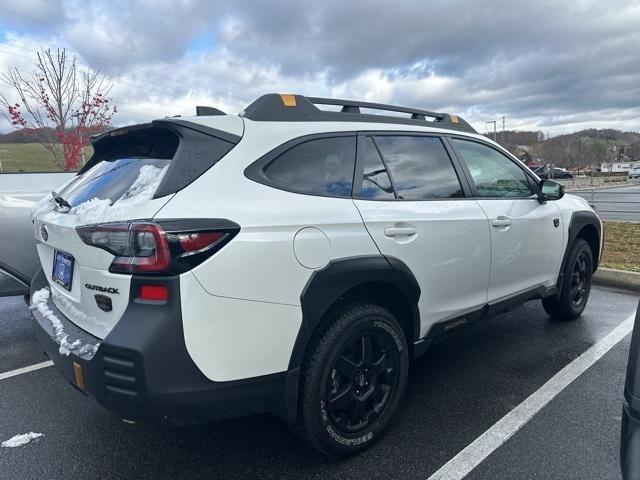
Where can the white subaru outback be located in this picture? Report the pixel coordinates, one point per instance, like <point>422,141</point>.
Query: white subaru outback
<point>293,259</point>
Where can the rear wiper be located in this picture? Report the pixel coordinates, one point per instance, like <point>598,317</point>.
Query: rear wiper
<point>60,201</point>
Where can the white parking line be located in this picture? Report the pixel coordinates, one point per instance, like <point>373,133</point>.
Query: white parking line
<point>469,458</point>
<point>30,368</point>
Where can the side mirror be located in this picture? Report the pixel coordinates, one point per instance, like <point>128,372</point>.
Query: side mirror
<point>550,190</point>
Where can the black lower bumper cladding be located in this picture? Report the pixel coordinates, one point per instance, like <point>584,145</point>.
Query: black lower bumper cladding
<point>142,371</point>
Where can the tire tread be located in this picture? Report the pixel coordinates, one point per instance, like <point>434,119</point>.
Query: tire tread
<point>314,362</point>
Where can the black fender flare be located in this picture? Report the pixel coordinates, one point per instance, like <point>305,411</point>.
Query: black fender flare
<point>578,221</point>
<point>327,285</point>
<point>323,289</point>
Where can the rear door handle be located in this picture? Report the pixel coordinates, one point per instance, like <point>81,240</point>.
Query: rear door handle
<point>501,222</point>
<point>400,231</point>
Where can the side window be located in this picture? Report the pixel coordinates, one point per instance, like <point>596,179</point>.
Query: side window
<point>493,173</point>
<point>419,167</point>
<point>318,167</point>
<point>375,179</point>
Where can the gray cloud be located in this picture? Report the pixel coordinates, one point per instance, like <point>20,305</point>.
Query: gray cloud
<point>544,64</point>
<point>42,15</point>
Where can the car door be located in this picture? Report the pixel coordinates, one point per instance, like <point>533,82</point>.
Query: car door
<point>526,236</point>
<point>413,204</point>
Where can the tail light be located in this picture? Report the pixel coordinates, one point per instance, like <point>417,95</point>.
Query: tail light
<point>168,247</point>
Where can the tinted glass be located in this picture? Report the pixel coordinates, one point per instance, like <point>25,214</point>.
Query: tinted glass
<point>319,167</point>
<point>494,174</point>
<point>420,167</point>
<point>375,180</point>
<point>112,179</point>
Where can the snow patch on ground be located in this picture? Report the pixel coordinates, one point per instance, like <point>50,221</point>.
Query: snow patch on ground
<point>39,302</point>
<point>139,193</point>
<point>20,440</point>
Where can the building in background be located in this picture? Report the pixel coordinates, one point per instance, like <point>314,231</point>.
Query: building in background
<point>618,167</point>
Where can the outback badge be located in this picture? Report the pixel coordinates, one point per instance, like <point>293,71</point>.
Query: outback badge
<point>100,288</point>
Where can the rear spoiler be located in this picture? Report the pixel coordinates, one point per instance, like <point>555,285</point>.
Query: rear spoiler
<point>161,139</point>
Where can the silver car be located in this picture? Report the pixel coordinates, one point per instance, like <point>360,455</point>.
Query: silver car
<point>18,258</point>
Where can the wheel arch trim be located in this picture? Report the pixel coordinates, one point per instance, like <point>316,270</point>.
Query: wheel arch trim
<point>579,221</point>
<point>327,286</point>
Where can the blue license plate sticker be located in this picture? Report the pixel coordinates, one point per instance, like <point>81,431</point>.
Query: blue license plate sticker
<point>62,269</point>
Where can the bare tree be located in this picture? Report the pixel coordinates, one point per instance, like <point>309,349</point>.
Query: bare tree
<point>59,105</point>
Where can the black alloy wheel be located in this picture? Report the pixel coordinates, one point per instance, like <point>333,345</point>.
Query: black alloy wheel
<point>571,299</point>
<point>352,379</point>
<point>363,377</point>
<point>580,279</point>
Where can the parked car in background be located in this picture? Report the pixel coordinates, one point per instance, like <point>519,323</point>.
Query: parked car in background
<point>555,173</point>
<point>634,173</point>
<point>18,257</point>
<point>630,434</point>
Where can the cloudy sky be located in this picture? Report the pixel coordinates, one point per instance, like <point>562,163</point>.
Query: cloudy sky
<point>556,66</point>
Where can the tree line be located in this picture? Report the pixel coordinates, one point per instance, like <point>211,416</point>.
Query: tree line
<point>577,150</point>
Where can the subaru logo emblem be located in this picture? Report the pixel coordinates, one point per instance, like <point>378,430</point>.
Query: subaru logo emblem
<point>43,233</point>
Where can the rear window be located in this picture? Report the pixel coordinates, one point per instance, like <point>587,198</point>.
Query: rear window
<point>322,166</point>
<point>174,151</point>
<point>112,179</point>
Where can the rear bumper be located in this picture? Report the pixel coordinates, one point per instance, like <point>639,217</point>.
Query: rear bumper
<point>142,371</point>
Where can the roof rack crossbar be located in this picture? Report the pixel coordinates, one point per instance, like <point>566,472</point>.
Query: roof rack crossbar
<point>273,107</point>
<point>354,107</point>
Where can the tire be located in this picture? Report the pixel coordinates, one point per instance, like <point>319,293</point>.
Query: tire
<point>570,302</point>
<point>347,396</point>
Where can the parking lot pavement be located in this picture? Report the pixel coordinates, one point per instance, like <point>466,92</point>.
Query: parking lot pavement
<point>574,436</point>
<point>458,390</point>
<point>18,346</point>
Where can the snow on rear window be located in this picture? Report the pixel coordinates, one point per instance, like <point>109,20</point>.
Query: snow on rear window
<point>140,192</point>
<point>110,192</point>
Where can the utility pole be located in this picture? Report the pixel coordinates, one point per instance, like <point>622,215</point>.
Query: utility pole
<point>504,133</point>
<point>495,133</point>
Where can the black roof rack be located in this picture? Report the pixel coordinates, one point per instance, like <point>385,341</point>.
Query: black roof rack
<point>298,108</point>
